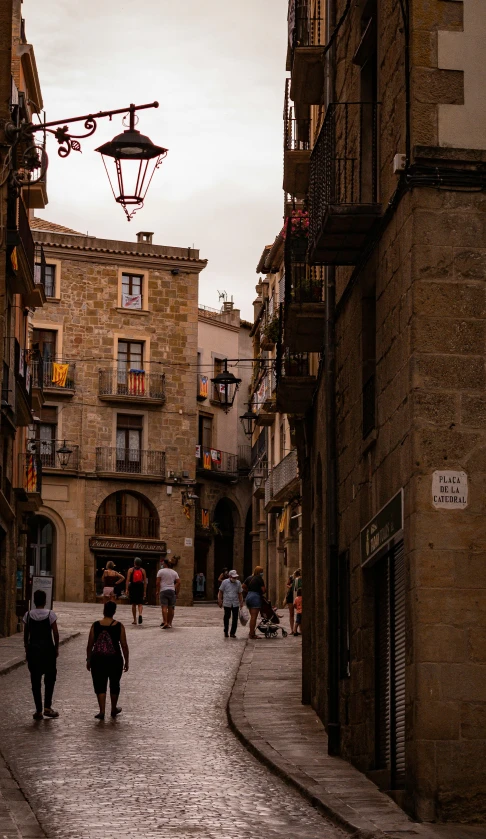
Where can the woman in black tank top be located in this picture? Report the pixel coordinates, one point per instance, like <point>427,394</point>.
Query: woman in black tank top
<point>107,640</point>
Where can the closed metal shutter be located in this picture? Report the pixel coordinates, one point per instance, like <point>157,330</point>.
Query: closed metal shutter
<point>382,665</point>
<point>398,666</point>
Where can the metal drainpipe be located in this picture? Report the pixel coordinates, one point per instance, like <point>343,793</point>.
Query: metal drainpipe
<point>333,724</point>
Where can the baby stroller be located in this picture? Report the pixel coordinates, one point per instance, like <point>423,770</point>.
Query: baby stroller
<point>269,624</point>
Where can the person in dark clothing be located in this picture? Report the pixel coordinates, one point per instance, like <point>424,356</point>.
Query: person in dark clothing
<point>137,588</point>
<point>41,642</point>
<point>107,639</point>
<point>254,589</point>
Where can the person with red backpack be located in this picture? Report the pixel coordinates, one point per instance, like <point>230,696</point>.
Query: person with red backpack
<point>107,639</point>
<point>137,588</point>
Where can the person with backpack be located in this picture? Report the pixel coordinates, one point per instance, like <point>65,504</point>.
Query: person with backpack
<point>107,639</point>
<point>41,642</point>
<point>137,588</point>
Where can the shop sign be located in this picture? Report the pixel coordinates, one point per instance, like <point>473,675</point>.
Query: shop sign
<point>126,545</point>
<point>449,490</point>
<point>382,528</point>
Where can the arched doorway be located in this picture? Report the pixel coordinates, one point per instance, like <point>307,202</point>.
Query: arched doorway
<point>128,518</point>
<point>41,547</point>
<point>224,538</point>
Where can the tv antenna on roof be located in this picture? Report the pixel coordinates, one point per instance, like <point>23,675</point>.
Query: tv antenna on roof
<point>223,295</point>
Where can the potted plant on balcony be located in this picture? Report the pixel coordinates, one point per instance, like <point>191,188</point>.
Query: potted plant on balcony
<point>270,333</point>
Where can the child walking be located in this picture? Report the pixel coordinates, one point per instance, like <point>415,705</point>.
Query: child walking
<point>298,612</point>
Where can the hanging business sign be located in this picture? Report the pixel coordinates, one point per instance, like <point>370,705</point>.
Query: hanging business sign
<point>383,527</point>
<point>98,544</point>
<point>449,490</point>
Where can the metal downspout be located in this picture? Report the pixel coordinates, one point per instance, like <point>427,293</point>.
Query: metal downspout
<point>333,724</point>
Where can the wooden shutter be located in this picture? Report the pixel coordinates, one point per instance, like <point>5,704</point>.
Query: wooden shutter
<point>382,664</point>
<point>398,653</point>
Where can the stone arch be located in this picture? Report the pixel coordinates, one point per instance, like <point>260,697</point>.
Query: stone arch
<point>58,546</point>
<point>127,513</point>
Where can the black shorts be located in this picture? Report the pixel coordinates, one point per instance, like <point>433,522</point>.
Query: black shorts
<point>135,593</point>
<point>104,669</point>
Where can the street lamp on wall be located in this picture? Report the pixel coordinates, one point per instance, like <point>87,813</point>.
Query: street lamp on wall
<point>248,421</point>
<point>226,386</point>
<point>136,157</point>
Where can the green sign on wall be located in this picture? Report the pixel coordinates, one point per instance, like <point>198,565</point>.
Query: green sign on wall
<point>382,528</point>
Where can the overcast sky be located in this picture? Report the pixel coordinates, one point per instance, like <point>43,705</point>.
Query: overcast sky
<point>217,68</point>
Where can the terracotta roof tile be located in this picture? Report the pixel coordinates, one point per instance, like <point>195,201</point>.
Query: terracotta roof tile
<point>51,227</point>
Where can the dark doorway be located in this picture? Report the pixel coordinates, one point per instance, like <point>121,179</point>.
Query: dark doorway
<point>41,547</point>
<point>123,562</point>
<point>224,539</point>
<point>248,549</point>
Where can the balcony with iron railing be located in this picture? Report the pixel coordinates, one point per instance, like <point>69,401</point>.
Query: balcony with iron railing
<point>218,465</point>
<point>306,52</point>
<point>23,375</point>
<point>343,191</point>
<point>21,248</point>
<point>295,382</point>
<point>132,527</point>
<point>304,308</point>
<point>120,383</point>
<point>134,463</point>
<point>59,455</point>
<point>38,295</point>
<point>286,477</point>
<point>297,152</point>
<point>263,399</point>
<point>55,376</point>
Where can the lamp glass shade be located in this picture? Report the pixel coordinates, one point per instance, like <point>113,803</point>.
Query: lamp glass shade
<point>248,420</point>
<point>130,160</point>
<point>225,388</point>
<point>64,454</point>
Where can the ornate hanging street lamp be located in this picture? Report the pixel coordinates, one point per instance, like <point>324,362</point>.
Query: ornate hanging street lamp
<point>136,157</point>
<point>64,455</point>
<point>248,421</point>
<point>226,386</point>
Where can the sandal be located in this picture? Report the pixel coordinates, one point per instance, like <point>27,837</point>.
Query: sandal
<point>99,716</point>
<point>38,715</point>
<point>48,712</point>
<point>116,712</point>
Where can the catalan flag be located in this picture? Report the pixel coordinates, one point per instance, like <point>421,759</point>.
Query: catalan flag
<point>59,374</point>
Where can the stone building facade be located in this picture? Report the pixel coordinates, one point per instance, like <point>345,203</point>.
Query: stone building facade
<point>275,474</point>
<point>115,435</point>
<point>223,510</point>
<point>385,142</point>
<point>21,291</point>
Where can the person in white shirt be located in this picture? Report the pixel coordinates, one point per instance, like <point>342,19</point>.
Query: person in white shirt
<point>41,641</point>
<point>167,588</point>
<point>231,598</point>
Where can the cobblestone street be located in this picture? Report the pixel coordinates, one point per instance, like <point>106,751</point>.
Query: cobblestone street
<point>168,766</point>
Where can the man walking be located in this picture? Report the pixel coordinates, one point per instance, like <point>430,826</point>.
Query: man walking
<point>137,588</point>
<point>230,597</point>
<point>167,586</point>
<point>41,642</point>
